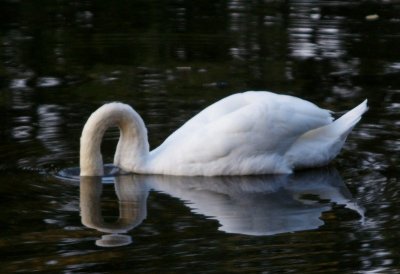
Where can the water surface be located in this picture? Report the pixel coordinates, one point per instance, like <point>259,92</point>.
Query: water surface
<point>60,60</point>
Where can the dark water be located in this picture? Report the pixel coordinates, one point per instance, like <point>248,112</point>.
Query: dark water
<point>60,60</point>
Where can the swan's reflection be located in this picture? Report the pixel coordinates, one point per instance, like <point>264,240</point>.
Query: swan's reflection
<point>251,205</point>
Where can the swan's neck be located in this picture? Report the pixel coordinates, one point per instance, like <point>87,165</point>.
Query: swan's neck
<point>132,149</point>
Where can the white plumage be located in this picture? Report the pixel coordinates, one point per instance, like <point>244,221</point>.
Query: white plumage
<point>242,134</point>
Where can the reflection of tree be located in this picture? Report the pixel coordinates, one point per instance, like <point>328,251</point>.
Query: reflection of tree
<point>63,36</point>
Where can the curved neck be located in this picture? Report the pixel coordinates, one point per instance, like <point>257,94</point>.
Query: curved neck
<point>132,149</point>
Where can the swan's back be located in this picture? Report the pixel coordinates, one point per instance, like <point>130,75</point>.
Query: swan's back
<point>245,133</point>
<point>271,103</point>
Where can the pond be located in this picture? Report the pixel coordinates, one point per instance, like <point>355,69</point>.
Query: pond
<point>61,60</point>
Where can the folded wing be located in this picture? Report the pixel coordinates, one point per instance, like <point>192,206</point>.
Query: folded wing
<point>243,133</point>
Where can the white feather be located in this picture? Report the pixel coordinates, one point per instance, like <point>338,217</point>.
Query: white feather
<point>245,133</point>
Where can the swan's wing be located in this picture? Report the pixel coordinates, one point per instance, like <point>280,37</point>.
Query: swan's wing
<point>257,109</point>
<point>241,127</point>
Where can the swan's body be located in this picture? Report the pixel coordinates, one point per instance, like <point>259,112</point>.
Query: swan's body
<point>242,134</point>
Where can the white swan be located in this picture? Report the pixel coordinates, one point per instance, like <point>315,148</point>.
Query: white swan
<point>245,133</point>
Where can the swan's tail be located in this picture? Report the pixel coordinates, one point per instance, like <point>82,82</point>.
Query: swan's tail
<point>319,146</point>
<point>345,124</point>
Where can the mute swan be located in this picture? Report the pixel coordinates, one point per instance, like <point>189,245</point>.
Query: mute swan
<point>245,133</point>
